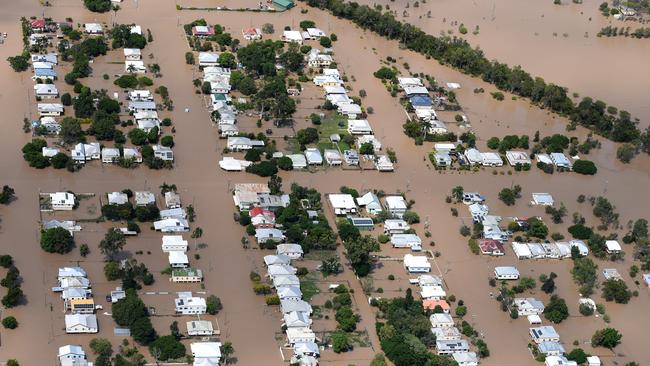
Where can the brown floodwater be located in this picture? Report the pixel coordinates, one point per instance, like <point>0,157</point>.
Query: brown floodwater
<point>558,43</point>
<point>245,320</point>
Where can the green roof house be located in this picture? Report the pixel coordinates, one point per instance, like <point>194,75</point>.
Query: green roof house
<point>283,4</point>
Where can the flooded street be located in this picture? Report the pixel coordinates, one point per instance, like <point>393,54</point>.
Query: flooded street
<point>245,320</point>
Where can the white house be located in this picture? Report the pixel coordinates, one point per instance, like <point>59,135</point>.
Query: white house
<point>289,293</point>
<point>300,335</point>
<point>558,361</point>
<point>297,319</point>
<point>93,28</point>
<point>293,251</point>
<point>433,293</point>
<point>178,259</point>
<point>117,198</point>
<point>465,358</point>
<point>141,106</point>
<point>187,304</point>
<point>560,160</point>
<point>206,353</point>
<point>72,355</point>
<point>506,273</point>
<point>613,246</point>
<point>441,320</point>
<point>110,154</point>
<point>50,109</point>
<point>48,91</point>
<point>451,347</point>
<point>313,156</point>
<point>416,264</point>
<point>359,127</point>
<point>370,202</point>
<point>298,161</point>
<point>132,153</point>
<point>290,306</point>
<point>446,333</point>
<point>411,241</point>
<point>141,96</point>
<point>544,333</point>
<point>132,54</point>
<point>49,152</point>
<point>85,152</point>
<point>239,143</point>
<point>230,164</point>
<point>395,226</point>
<point>517,157</point>
<point>292,36</point>
<point>315,33</point>
<point>286,281</point>
<point>163,152</point>
<point>62,201</point>
<point>343,204</point>
<point>262,235</point>
<point>351,110</point>
<point>171,225</point>
<point>333,157</point>
<point>172,200</point>
<point>81,323</point>
<point>491,159</point>
<point>383,164</point>
<point>549,348</point>
<point>409,81</point>
<point>208,59</point>
<point>442,158</point>
<point>543,199</point>
<point>270,260</point>
<point>478,211</point>
<point>396,205</point>
<point>280,270</point>
<point>528,306</point>
<point>200,328</point>
<point>186,275</point>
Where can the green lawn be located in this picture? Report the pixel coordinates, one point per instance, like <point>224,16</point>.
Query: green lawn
<point>308,286</point>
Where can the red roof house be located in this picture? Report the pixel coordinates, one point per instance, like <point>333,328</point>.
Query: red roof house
<point>261,218</point>
<point>491,247</point>
<point>38,24</point>
<point>203,31</point>
<point>431,305</point>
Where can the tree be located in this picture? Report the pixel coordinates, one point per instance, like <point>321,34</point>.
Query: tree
<point>12,362</point>
<point>275,184</point>
<point>18,63</point>
<point>174,331</point>
<point>7,195</point>
<point>167,141</point>
<point>6,261</point>
<point>586,309</point>
<point>608,338</point>
<point>98,6</point>
<point>167,348</point>
<point>358,252</point>
<point>537,228</point>
<point>285,163</point>
<point>584,274</point>
<point>457,193</point>
<point>101,346</point>
<point>307,136</point>
<point>341,342</point>
<point>585,167</point>
<point>307,24</point>
<point>616,290</point>
<point>411,217</point>
<point>71,131</point>
<point>57,240</point>
<point>227,350</point>
<point>112,243</point>
<point>213,305</point>
<point>625,153</point>
<point>556,310</point>
<point>228,60</point>
<point>142,331</point>
<point>331,266</point>
<point>578,355</point>
<point>325,42</point>
<point>129,309</point>
<point>147,213</point>
<point>10,322</point>
<point>347,320</point>
<point>263,168</point>
<point>549,285</point>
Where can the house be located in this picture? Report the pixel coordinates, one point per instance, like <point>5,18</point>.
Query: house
<point>75,293</point>
<point>203,31</point>
<point>442,159</point>
<point>491,159</point>
<point>558,361</point>
<point>208,59</point>
<point>433,293</point>
<point>172,199</point>
<point>206,353</point>
<point>171,225</point>
<point>86,152</point>
<point>437,126</point>
<point>298,161</point>
<point>369,139</point>
<point>432,304</point>
<point>550,348</point>
<point>110,154</point>
<point>187,304</point>
<point>42,65</point>
<point>293,251</point>
<point>144,198</point>
<point>251,34</point>
<point>296,319</point>
<point>117,198</point>
<point>300,335</point>
<point>428,280</point>
<point>612,247</point>
<point>178,259</point>
<point>141,96</point>
<point>473,156</point>
<point>280,270</point>
<point>132,54</point>
<point>560,160</point>
<point>413,90</point>
<point>132,153</point>
<point>491,247</point>
<point>93,28</point>
<point>313,156</point>
<point>141,106</point>
<point>408,81</point>
<point>370,202</point>
<point>283,4</point>
<point>395,226</point>
<point>506,273</point>
<point>406,241</point>
<point>451,347</point>
<point>351,157</point>
<point>289,306</point>
<point>478,211</point>
<point>135,66</point>
<point>51,125</point>
<point>43,74</point>
<point>81,306</point>
<point>81,323</point>
<point>71,355</point>
<point>291,36</point>
<point>200,328</point>
<point>230,164</point>
<point>285,281</point>
<point>136,29</point>
<point>361,223</point>
<point>396,206</point>
<point>465,358</point>
<point>517,157</point>
<point>315,33</point>
<point>262,218</point>
<point>163,152</point>
<point>612,274</point>
<point>50,109</point>
<point>343,204</point>
<point>421,102</point>
<point>306,349</point>
<point>270,260</point>
<point>262,235</point>
<point>446,333</point>
<point>149,124</point>
<point>71,226</point>
<point>327,80</point>
<point>416,264</point>
<point>522,250</point>
<point>383,164</point>
<point>317,59</point>
<point>528,306</point>
<point>351,110</point>
<point>646,279</point>
<point>47,91</point>
<point>226,130</point>
<point>246,195</point>
<point>544,333</point>
<point>49,152</point>
<point>593,361</point>
<point>186,275</point>
<point>359,127</point>
<point>543,199</point>
<point>37,25</point>
<point>289,293</point>
<point>62,201</point>
<point>333,157</point>
<point>69,272</point>
<point>239,143</point>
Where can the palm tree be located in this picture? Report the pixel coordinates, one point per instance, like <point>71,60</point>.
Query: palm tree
<point>131,68</point>
<point>426,125</point>
<point>226,351</point>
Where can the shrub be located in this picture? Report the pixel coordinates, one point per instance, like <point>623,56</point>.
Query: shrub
<point>608,338</point>
<point>272,300</point>
<point>10,322</point>
<point>213,305</point>
<point>585,167</point>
